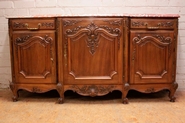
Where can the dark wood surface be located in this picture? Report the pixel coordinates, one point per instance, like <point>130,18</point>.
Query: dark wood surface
<point>93,56</point>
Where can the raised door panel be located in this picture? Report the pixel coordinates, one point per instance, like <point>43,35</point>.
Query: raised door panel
<point>34,57</point>
<point>92,51</point>
<point>151,56</point>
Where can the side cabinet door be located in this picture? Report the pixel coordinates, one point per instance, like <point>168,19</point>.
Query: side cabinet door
<point>151,57</point>
<point>34,57</point>
<point>92,50</point>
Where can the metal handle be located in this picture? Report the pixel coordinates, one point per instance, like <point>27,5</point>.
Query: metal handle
<point>152,27</point>
<point>27,26</point>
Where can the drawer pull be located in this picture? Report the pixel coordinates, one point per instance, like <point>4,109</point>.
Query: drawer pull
<point>152,27</point>
<point>27,27</point>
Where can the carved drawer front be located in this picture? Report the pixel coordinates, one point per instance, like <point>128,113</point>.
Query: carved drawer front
<point>141,23</point>
<point>33,24</point>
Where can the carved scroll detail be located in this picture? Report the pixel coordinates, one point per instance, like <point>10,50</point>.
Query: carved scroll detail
<point>166,24</point>
<point>18,25</point>
<point>47,24</point>
<point>93,90</point>
<point>22,39</point>
<point>70,22</point>
<point>114,22</point>
<point>138,24</point>
<point>161,24</point>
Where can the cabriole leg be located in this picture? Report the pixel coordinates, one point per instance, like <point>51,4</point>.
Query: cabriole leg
<point>172,92</point>
<point>60,90</point>
<point>124,93</point>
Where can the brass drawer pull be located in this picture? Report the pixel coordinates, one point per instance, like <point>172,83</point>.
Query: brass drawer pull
<point>152,27</point>
<point>27,27</point>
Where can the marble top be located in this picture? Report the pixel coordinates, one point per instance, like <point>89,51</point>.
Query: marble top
<point>97,15</point>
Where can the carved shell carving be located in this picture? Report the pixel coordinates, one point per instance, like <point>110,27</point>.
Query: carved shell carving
<point>36,90</point>
<point>150,90</point>
<point>92,90</point>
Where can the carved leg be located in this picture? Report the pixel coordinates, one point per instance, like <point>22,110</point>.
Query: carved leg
<point>60,90</point>
<point>172,92</point>
<point>124,93</point>
<point>14,91</point>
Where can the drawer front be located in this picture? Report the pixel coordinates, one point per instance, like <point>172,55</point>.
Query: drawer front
<point>33,24</point>
<point>143,23</point>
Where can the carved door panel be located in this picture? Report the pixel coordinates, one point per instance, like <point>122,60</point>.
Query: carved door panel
<point>151,57</point>
<point>92,50</point>
<point>34,56</point>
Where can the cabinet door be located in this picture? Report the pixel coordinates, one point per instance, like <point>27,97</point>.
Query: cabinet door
<point>151,56</point>
<point>92,50</point>
<point>34,56</point>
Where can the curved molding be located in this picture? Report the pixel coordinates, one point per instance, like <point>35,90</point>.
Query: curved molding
<point>143,76</point>
<point>44,75</point>
<point>93,77</point>
<point>160,40</point>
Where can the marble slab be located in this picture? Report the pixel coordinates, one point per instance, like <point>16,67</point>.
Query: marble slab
<point>97,15</point>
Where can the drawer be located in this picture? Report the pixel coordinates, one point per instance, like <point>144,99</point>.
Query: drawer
<point>33,24</point>
<point>143,23</point>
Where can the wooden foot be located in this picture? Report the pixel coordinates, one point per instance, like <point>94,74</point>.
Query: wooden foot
<point>124,93</point>
<point>125,101</point>
<point>14,99</point>
<point>60,101</point>
<point>15,96</point>
<point>60,90</point>
<point>172,92</point>
<point>172,99</point>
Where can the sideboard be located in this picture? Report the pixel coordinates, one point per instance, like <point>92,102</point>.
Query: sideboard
<point>93,55</point>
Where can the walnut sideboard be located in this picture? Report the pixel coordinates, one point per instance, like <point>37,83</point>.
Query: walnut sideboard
<point>93,55</point>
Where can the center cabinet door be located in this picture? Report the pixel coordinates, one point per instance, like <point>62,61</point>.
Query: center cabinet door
<point>92,50</point>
